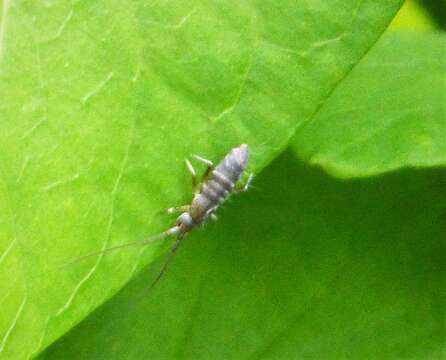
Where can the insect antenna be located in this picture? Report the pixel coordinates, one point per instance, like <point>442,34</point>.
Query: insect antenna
<point>160,236</point>
<point>166,263</point>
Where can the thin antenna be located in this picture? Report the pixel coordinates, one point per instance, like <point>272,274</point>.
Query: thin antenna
<point>169,258</point>
<point>160,236</point>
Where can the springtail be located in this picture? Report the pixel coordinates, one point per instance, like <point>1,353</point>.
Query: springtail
<point>215,186</point>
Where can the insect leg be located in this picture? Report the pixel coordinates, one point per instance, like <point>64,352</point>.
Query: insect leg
<point>210,165</point>
<point>178,209</point>
<point>211,213</point>
<point>244,187</point>
<point>213,217</point>
<point>193,173</point>
<point>207,162</point>
<point>248,182</point>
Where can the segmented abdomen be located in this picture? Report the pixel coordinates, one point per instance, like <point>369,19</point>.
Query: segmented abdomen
<point>221,184</point>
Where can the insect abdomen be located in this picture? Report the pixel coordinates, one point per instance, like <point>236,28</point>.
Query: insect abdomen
<point>234,164</point>
<point>222,183</point>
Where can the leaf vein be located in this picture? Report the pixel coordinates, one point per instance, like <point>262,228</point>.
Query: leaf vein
<point>13,324</point>
<point>243,82</point>
<point>97,88</point>
<point>109,225</point>
<point>3,256</point>
<point>5,13</point>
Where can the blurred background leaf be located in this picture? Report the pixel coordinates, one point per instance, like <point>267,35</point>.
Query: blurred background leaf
<point>304,266</point>
<point>101,103</point>
<point>436,10</point>
<point>421,15</point>
<point>389,112</point>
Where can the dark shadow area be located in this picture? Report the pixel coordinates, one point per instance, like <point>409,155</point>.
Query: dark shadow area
<point>436,9</point>
<point>303,266</point>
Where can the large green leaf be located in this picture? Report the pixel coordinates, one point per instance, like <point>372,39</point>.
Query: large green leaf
<point>303,267</point>
<point>389,112</point>
<point>436,9</point>
<point>102,101</point>
<point>414,16</point>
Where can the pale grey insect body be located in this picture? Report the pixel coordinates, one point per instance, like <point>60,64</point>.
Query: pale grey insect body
<point>213,191</point>
<point>216,189</point>
<point>218,182</point>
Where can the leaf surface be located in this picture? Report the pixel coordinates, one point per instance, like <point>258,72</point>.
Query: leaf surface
<point>102,101</point>
<point>327,269</point>
<point>388,113</point>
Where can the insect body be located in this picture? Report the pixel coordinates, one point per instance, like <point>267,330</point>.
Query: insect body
<point>218,182</point>
<point>213,192</point>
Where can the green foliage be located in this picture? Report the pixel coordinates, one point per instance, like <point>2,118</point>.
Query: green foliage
<point>101,103</point>
<point>389,112</point>
<point>416,15</point>
<point>436,10</point>
<point>303,267</point>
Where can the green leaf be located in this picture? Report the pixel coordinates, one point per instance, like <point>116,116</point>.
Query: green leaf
<point>389,112</point>
<point>436,10</point>
<point>327,269</point>
<point>414,16</point>
<point>101,103</point>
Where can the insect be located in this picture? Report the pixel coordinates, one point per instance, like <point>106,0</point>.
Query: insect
<point>217,183</point>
